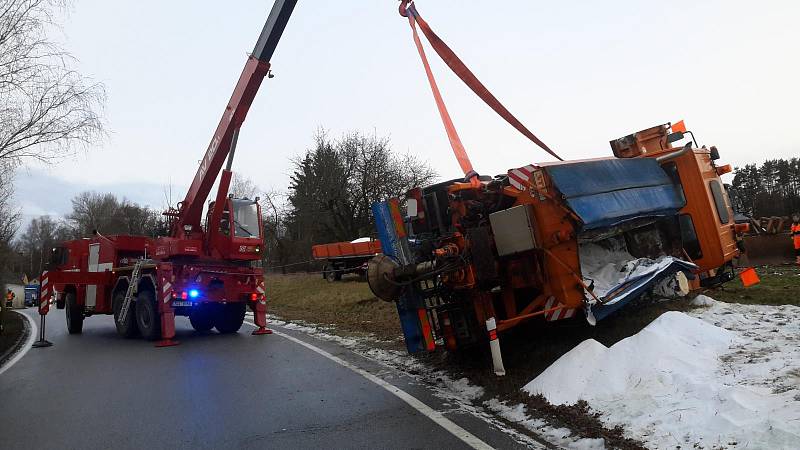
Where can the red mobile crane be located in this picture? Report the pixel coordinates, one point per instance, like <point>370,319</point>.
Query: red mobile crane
<point>203,271</point>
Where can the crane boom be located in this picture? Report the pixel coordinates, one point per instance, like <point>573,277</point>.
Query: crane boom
<point>257,66</point>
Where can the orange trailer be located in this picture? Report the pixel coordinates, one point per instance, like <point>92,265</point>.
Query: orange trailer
<point>345,257</point>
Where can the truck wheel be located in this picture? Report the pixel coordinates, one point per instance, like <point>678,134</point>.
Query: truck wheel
<point>333,275</point>
<point>202,318</point>
<point>147,315</point>
<point>128,328</point>
<point>74,314</point>
<point>230,318</point>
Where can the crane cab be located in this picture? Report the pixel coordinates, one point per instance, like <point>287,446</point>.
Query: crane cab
<point>237,234</point>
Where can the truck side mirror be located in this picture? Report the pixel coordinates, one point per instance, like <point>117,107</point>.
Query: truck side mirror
<point>714,153</point>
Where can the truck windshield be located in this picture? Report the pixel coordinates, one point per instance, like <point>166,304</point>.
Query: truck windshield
<point>245,218</point>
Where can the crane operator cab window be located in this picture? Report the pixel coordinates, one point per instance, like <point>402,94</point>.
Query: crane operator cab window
<point>245,221</point>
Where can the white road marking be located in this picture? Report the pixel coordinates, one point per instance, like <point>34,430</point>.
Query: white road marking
<point>25,348</point>
<point>465,436</point>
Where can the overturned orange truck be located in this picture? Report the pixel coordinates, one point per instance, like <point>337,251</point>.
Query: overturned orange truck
<point>555,241</point>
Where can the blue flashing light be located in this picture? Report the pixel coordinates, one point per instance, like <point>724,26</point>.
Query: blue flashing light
<point>194,293</point>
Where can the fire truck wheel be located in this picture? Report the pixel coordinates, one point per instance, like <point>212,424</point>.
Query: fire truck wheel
<point>202,318</point>
<point>230,318</point>
<point>147,315</point>
<point>128,328</point>
<point>74,314</point>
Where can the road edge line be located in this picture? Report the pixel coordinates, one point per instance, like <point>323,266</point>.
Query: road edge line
<point>25,347</point>
<point>437,417</point>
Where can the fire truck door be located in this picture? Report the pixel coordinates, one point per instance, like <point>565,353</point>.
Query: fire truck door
<point>91,289</point>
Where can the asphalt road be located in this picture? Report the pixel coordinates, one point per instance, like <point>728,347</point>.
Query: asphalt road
<point>99,391</point>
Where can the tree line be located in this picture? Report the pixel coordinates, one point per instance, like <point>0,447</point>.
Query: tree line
<point>333,185</point>
<point>769,189</point>
<point>91,212</point>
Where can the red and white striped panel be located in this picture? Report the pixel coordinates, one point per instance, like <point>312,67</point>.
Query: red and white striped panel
<point>45,292</point>
<point>262,292</point>
<point>563,313</point>
<point>166,292</point>
<point>519,177</point>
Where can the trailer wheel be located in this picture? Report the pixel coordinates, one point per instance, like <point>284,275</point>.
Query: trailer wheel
<point>333,274</point>
<point>74,313</point>
<point>127,329</point>
<point>230,318</point>
<point>202,318</point>
<point>147,315</point>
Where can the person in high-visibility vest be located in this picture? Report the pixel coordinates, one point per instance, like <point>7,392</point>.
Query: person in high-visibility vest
<point>10,299</point>
<point>796,236</point>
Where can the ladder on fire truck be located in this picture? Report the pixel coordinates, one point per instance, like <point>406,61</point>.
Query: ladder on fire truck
<point>136,275</point>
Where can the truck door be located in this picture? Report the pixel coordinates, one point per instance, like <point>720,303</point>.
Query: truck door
<point>91,289</point>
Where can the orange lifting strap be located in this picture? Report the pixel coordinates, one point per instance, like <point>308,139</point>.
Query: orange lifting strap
<point>407,9</point>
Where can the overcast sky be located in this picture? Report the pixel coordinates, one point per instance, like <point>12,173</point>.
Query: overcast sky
<point>576,73</point>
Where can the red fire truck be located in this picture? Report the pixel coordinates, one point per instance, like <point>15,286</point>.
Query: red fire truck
<point>205,269</point>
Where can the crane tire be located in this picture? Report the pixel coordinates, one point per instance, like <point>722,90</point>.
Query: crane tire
<point>74,313</point>
<point>147,317</point>
<point>129,328</point>
<point>202,318</point>
<point>230,318</point>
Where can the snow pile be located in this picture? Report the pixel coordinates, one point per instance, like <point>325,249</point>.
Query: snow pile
<point>678,382</point>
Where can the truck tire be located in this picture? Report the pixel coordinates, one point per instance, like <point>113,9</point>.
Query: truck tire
<point>230,318</point>
<point>147,317</point>
<point>333,274</point>
<point>129,328</point>
<point>202,318</point>
<point>74,313</point>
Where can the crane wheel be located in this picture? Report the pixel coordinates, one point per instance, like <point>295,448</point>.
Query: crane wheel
<point>74,313</point>
<point>147,315</point>
<point>128,328</point>
<point>230,318</point>
<point>202,318</point>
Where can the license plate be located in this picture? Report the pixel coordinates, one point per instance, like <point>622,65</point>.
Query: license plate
<point>181,303</point>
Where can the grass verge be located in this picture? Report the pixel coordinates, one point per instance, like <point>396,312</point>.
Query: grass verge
<point>780,285</point>
<point>348,305</point>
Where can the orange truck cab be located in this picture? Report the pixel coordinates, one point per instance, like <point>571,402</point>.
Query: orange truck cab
<point>707,221</point>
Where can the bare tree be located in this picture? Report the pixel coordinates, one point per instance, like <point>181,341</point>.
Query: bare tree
<point>41,235</point>
<point>47,109</point>
<point>108,215</point>
<point>243,187</point>
<point>9,222</point>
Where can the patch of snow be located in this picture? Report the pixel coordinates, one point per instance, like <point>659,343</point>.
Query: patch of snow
<point>728,377</point>
<point>703,300</point>
<point>560,437</point>
<point>463,388</point>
